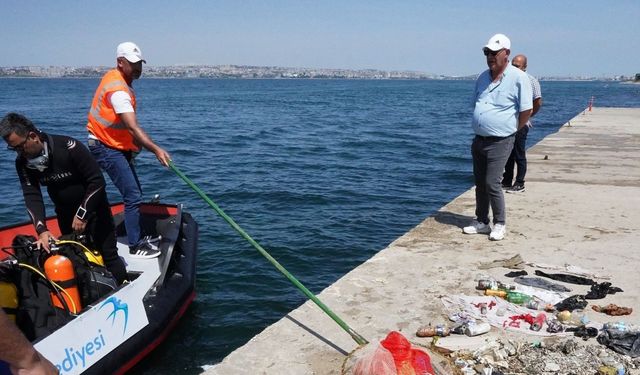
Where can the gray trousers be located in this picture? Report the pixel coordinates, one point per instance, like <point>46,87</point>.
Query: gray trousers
<point>489,157</point>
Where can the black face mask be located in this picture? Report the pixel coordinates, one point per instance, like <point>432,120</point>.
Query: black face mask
<point>40,162</point>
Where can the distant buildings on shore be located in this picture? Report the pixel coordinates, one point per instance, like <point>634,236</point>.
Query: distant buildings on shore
<point>247,72</point>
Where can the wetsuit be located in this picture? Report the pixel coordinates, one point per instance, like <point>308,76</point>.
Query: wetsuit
<point>76,186</point>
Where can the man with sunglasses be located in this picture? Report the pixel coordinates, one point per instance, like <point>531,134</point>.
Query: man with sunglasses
<point>502,104</point>
<point>74,182</point>
<point>115,138</point>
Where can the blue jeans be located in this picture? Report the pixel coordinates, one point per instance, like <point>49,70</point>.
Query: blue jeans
<point>489,156</point>
<point>119,166</point>
<point>518,157</point>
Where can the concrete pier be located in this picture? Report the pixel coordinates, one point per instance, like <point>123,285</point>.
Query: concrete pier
<point>581,207</point>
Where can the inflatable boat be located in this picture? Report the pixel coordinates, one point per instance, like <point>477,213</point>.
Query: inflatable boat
<point>116,330</point>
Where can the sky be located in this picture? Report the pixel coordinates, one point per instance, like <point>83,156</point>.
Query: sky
<point>561,38</point>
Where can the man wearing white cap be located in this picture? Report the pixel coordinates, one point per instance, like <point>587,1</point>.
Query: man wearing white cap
<point>502,105</point>
<point>115,137</point>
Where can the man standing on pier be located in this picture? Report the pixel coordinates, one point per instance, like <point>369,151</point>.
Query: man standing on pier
<point>518,155</point>
<point>502,104</point>
<point>115,137</point>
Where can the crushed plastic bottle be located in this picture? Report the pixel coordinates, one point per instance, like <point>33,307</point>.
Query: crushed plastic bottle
<point>621,327</point>
<point>615,326</point>
<point>576,318</point>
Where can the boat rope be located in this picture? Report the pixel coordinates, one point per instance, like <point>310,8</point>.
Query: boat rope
<point>354,335</point>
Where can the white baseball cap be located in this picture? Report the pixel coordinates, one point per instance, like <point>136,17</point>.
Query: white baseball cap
<point>129,51</point>
<point>498,42</point>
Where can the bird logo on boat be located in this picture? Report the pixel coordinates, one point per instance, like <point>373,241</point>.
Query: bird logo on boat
<point>117,306</point>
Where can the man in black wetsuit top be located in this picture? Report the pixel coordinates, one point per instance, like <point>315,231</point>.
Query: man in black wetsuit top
<point>74,182</point>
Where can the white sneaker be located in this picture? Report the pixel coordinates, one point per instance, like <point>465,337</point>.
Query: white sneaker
<point>498,232</point>
<point>477,227</point>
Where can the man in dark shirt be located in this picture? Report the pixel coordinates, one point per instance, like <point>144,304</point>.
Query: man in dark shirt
<point>74,182</point>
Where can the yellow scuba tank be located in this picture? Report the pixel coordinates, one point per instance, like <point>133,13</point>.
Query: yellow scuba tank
<point>93,257</point>
<point>9,299</point>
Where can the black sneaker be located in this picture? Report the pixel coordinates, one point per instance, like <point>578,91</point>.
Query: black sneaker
<point>506,186</point>
<point>517,188</point>
<point>144,250</point>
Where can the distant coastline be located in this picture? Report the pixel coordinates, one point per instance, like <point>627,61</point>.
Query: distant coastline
<point>253,72</point>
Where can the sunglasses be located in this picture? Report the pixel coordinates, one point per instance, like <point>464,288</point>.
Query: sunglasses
<point>19,146</point>
<point>488,52</point>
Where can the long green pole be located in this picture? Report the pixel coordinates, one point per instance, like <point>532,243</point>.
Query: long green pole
<point>357,337</point>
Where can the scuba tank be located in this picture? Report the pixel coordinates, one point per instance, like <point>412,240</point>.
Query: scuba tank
<point>9,299</point>
<point>59,269</point>
<point>93,257</point>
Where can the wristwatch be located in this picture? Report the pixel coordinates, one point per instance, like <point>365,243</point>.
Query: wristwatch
<point>81,213</point>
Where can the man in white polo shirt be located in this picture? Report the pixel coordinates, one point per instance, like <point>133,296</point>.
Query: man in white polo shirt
<point>502,104</point>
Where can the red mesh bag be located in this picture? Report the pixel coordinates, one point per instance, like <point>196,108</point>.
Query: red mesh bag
<point>409,361</point>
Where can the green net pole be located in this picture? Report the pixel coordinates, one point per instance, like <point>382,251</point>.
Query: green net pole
<point>357,337</point>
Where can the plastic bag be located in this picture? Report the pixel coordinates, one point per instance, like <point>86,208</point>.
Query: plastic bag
<point>627,343</point>
<point>408,361</point>
<point>377,361</point>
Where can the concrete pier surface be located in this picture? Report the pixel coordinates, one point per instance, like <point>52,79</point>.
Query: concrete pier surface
<point>581,207</point>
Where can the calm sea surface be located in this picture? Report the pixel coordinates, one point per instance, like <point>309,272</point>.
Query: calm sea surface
<point>322,173</point>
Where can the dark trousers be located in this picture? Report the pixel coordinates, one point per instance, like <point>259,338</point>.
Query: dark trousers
<point>518,157</point>
<point>101,233</point>
<point>489,156</point>
<point>119,166</point>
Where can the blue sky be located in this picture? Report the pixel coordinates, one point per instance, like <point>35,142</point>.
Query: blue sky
<point>592,38</point>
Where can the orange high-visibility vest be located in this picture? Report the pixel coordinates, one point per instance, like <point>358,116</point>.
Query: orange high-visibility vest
<point>104,122</point>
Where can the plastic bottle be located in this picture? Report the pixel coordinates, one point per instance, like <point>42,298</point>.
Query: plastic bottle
<point>576,318</point>
<point>477,329</point>
<point>484,284</point>
<point>496,293</point>
<point>621,327</point>
<point>506,286</point>
<point>437,330</point>
<point>533,304</point>
<point>615,326</point>
<point>517,298</point>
